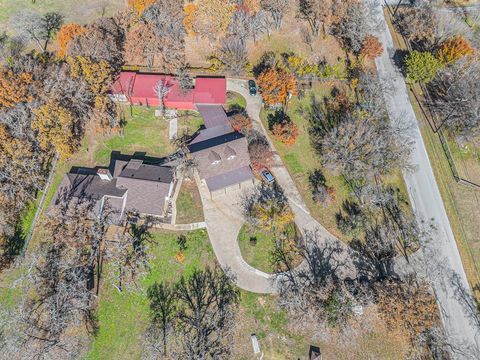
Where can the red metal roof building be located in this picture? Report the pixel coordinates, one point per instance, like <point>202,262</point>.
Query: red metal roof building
<point>138,89</point>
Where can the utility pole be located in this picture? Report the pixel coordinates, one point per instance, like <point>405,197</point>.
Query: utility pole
<point>396,7</point>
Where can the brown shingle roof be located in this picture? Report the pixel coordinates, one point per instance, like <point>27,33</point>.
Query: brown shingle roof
<point>145,187</point>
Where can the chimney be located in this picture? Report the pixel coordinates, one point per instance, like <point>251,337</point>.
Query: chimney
<point>104,174</point>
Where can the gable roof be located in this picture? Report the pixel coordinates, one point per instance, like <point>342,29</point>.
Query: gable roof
<point>210,90</point>
<point>213,115</point>
<point>135,186</point>
<point>139,87</point>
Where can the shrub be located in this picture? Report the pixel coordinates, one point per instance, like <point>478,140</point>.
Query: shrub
<point>371,48</point>
<point>453,49</point>
<point>321,193</point>
<point>241,123</point>
<point>286,132</point>
<point>421,67</point>
<point>259,150</point>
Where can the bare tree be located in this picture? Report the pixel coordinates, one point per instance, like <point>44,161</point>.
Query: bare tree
<point>102,40</point>
<point>417,23</point>
<point>167,17</point>
<point>277,9</point>
<point>321,14</point>
<point>207,300</point>
<point>241,26</point>
<point>29,25</point>
<point>233,54</point>
<point>456,96</point>
<point>306,37</point>
<point>261,23</point>
<point>316,290</point>
<point>356,25</point>
<point>128,256</point>
<point>163,305</point>
<point>361,146</point>
<point>381,229</point>
<point>162,88</point>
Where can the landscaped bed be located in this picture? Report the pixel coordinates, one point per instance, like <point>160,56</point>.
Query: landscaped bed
<point>257,245</point>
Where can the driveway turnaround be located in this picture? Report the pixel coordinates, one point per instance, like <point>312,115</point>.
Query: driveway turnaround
<point>450,285</point>
<point>224,219</point>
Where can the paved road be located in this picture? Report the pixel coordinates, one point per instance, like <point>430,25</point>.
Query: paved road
<point>427,203</point>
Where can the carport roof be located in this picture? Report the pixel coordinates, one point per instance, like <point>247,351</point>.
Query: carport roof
<point>230,178</point>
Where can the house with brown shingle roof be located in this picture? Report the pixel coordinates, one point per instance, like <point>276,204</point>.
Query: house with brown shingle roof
<point>128,186</point>
<point>220,152</point>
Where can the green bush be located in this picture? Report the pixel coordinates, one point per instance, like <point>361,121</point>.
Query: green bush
<point>421,67</point>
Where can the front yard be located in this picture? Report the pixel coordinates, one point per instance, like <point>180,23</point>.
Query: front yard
<point>301,160</point>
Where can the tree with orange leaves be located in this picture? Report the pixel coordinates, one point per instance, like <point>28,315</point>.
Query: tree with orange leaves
<point>14,88</point>
<point>371,48</point>
<point>212,17</point>
<point>276,86</point>
<point>65,35</point>
<point>189,19</point>
<point>139,5</point>
<point>454,48</point>
<point>286,132</point>
<point>55,127</point>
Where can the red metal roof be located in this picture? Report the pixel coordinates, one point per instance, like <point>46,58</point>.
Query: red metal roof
<point>210,90</point>
<point>139,88</point>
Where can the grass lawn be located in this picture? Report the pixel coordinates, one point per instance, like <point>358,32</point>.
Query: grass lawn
<point>258,254</point>
<point>74,11</point>
<point>189,204</point>
<point>122,317</point>
<point>144,132</point>
<point>301,159</point>
<point>235,100</point>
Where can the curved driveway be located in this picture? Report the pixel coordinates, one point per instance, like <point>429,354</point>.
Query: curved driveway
<point>224,218</point>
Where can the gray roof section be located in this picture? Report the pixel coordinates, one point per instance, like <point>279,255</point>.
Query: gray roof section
<point>209,166</point>
<point>145,186</point>
<point>229,178</point>
<point>211,133</point>
<point>136,170</point>
<point>210,142</point>
<point>213,115</point>
<point>92,186</point>
<point>144,196</point>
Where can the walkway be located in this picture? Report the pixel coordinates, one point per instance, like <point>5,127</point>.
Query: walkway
<point>425,197</point>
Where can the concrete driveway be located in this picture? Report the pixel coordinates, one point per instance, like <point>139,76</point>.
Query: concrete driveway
<point>223,214</point>
<point>224,219</point>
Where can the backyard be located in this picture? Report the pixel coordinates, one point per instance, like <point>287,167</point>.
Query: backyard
<point>123,317</point>
<point>74,11</point>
